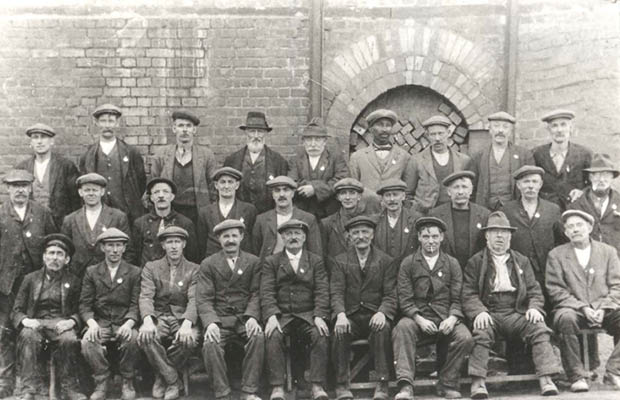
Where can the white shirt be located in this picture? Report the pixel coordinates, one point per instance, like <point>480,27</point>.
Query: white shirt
<point>392,221</point>
<point>231,263</point>
<point>442,158</point>
<point>21,211</point>
<point>362,261</point>
<point>431,261</point>
<point>294,259</point>
<point>40,167</point>
<point>502,278</point>
<point>583,256</point>
<point>254,156</point>
<point>225,208</point>
<point>106,147</point>
<point>112,271</point>
<point>313,161</point>
<point>92,216</point>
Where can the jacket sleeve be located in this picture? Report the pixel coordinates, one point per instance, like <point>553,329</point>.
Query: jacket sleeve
<point>611,300</point>
<point>268,300</point>
<point>73,301</point>
<point>252,310</point>
<point>205,295</point>
<point>325,189</point>
<point>321,290</point>
<point>211,166</point>
<point>146,302</point>
<point>406,294</point>
<point>293,171</point>
<point>410,176</point>
<point>354,168</point>
<point>133,311</point>
<point>535,296</point>
<point>130,252</point>
<point>191,250</point>
<point>257,237</point>
<point>71,174</point>
<point>314,237</point>
<point>20,307</point>
<point>191,313</point>
<point>337,286</point>
<point>456,285</point>
<point>50,225</point>
<point>470,296</point>
<point>389,300</point>
<point>88,297</point>
<point>138,170</point>
<point>559,292</point>
<point>137,242</point>
<point>250,219</point>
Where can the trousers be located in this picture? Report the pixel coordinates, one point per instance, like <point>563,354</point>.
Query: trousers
<point>95,354</point>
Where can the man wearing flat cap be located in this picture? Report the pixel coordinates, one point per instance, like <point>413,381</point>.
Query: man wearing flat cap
<point>495,164</point>
<point>169,334</point>
<point>23,227</point>
<point>229,307</point>
<point>294,294</point>
<point>109,308</point>
<point>464,219</point>
<point>257,162</point>
<point>54,175</point>
<point>189,165</point>
<point>266,238</point>
<point>583,281</point>
<point>501,296</point>
<point>227,206</point>
<point>46,308</point>
<point>601,201</point>
<point>364,302</point>
<point>429,296</point>
<point>563,160</point>
<point>434,164</point>
<point>120,163</point>
<point>161,193</point>
<point>84,225</point>
<point>316,169</point>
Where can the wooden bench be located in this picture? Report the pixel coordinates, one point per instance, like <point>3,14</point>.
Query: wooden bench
<point>584,334</point>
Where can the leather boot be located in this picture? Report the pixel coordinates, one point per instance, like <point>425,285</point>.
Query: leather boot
<point>100,390</point>
<point>128,392</point>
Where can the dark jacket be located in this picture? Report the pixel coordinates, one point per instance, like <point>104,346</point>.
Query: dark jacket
<point>606,229</point>
<point>408,237</point>
<point>210,216</point>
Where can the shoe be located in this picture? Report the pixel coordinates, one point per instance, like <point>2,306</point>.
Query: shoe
<point>479,389</point>
<point>547,387</point>
<point>172,392</point>
<point>318,393</point>
<point>27,396</point>
<point>579,386</point>
<point>251,396</point>
<point>100,390</point>
<point>159,388</point>
<point>5,392</point>
<point>277,393</point>
<point>128,392</point>
<point>612,379</point>
<point>405,393</point>
<point>381,391</point>
<point>447,393</point>
<point>343,393</point>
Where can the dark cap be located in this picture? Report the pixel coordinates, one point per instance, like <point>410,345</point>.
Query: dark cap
<point>380,114</point>
<point>498,220</point>
<point>360,220</point>
<point>229,171</point>
<point>293,224</point>
<point>184,114</point>
<point>281,180</point>
<point>91,178</point>
<point>502,116</point>
<point>18,176</point>
<point>315,128</point>
<point>457,175</point>
<point>528,170</point>
<point>423,222</point>
<point>391,184</point>
<point>348,183</point>
<point>40,128</point>
<point>559,113</point>
<point>60,240</point>
<point>437,120</point>
<point>228,224</point>
<point>577,213</point>
<point>601,162</point>
<point>160,179</point>
<point>107,109</point>
<point>112,235</point>
<point>255,120</point>
<point>172,231</point>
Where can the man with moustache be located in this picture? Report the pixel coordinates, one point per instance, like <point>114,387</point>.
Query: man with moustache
<point>363,299</point>
<point>257,162</point>
<point>494,165</point>
<point>429,296</point>
<point>583,280</point>
<point>121,164</point>
<point>169,333</point>
<point>23,227</point>
<point>563,160</point>
<point>46,308</point>
<point>145,230</point>
<point>434,164</point>
<point>189,165</point>
<point>109,308</point>
<point>229,308</point>
<point>266,237</point>
<point>55,175</point>
<point>294,293</point>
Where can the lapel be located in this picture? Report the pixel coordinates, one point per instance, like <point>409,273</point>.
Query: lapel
<point>104,275</point>
<point>485,160</point>
<point>304,265</point>
<point>28,216</point>
<point>427,163</point>
<point>547,162</point>
<point>447,218</point>
<point>240,267</point>
<point>65,287</point>
<point>123,155</point>
<point>271,222</point>
<point>90,159</point>
<point>372,159</point>
<point>169,158</point>
<point>370,269</point>
<point>573,263</point>
<point>105,219</point>
<point>592,263</point>
<point>323,164</point>
<point>403,224</point>
<point>514,161</point>
<point>82,224</point>
<point>221,266</point>
<point>198,167</point>
<point>474,230</point>
<point>123,270</point>
<point>613,202</point>
<point>354,266</point>
<point>285,264</point>
<point>38,286</point>
<point>53,175</point>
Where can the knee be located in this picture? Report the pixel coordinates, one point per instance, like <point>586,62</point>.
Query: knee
<point>483,335</point>
<point>89,347</point>
<point>29,336</point>
<point>464,339</point>
<point>567,322</point>
<point>276,337</point>
<point>257,339</point>
<point>68,339</point>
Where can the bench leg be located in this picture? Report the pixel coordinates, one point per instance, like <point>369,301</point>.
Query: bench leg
<point>52,388</point>
<point>289,369</point>
<point>186,380</point>
<point>586,352</point>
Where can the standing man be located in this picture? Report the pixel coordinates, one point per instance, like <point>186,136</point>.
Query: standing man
<point>121,164</point>
<point>23,227</point>
<point>563,161</point>
<point>257,162</point>
<point>316,170</point>
<point>55,175</point>
<point>494,165</point>
<point>294,293</point>
<point>229,308</point>
<point>429,295</point>
<point>169,334</point>
<point>434,164</point>
<point>363,299</point>
<point>464,219</point>
<point>188,165</point>
<point>109,307</point>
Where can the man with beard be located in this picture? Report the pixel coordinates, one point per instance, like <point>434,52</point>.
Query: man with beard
<point>266,237</point>
<point>46,308</point>
<point>294,293</point>
<point>429,295</point>
<point>316,170</point>
<point>501,296</point>
<point>188,165</point>
<point>464,219</point>
<point>583,280</point>
<point>563,161</point>
<point>229,308</point>
<point>161,193</point>
<point>121,164</point>
<point>363,299</point>
<point>83,226</point>
<point>109,307</point>
<point>55,175</point>
<point>169,334</point>
<point>434,164</point>
<point>257,162</point>
<point>494,165</point>
<point>23,227</point>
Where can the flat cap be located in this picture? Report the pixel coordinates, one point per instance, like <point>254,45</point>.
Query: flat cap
<point>577,213</point>
<point>293,224</point>
<point>281,180</point>
<point>423,222</point>
<point>184,114</point>
<point>349,183</point>
<point>457,175</point>
<point>112,235</point>
<point>528,170</point>
<point>315,128</point>
<point>107,109</point>
<point>161,179</point>
<point>91,178</point>
<point>18,176</point>
<point>601,162</point>
<point>437,120</point>
<point>559,113</point>
<point>360,220</point>
<point>60,240</point>
<point>502,116</point>
<point>228,224</point>
<point>379,114</point>
<point>40,128</point>
<point>391,184</point>
<point>229,171</point>
<point>498,220</point>
<point>172,231</point>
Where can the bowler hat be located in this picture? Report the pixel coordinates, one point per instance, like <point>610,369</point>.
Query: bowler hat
<point>184,114</point>
<point>107,109</point>
<point>559,113</point>
<point>315,128</point>
<point>577,213</point>
<point>423,222</point>
<point>528,170</point>
<point>60,240</point>
<point>457,175</point>
<point>360,220</point>
<point>112,235</point>
<point>18,176</point>
<point>91,178</point>
<point>255,120</point>
<point>502,116</point>
<point>348,183</point>
<point>602,163</point>
<point>281,180</point>
<point>293,224</point>
<point>228,224</point>
<point>498,220</point>
<point>229,171</point>
<point>172,231</point>
<point>379,114</point>
<point>40,128</point>
<point>161,179</point>
<point>391,184</point>
<point>437,120</point>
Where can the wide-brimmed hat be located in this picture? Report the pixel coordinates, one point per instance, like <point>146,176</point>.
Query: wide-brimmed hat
<point>315,128</point>
<point>498,220</point>
<point>601,162</point>
<point>255,120</point>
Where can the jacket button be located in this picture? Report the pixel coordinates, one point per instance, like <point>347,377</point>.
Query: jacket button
<point>361,303</point>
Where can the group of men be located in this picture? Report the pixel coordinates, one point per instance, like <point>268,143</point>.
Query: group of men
<point>399,249</point>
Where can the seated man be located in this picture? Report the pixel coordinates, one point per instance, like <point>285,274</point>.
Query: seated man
<point>294,293</point>
<point>501,296</point>
<point>46,308</point>
<point>583,281</point>
<point>168,309</point>
<point>109,307</point>
<point>229,308</point>
<point>363,296</point>
<point>429,296</point>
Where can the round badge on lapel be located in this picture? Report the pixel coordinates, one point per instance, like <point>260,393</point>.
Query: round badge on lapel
<point>239,272</point>
<point>119,280</point>
<point>406,230</point>
<point>537,215</point>
<point>241,219</point>
<point>302,270</point>
<point>125,159</point>
<point>393,162</point>
<point>516,156</point>
<point>28,234</point>
<point>103,228</point>
<point>67,285</point>
<point>322,168</point>
<point>479,225</point>
<point>440,274</point>
<point>520,271</point>
<point>567,168</point>
<point>591,270</point>
<point>270,177</point>
<point>180,283</point>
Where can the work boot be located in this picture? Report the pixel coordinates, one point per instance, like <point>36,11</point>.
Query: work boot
<point>381,391</point>
<point>27,396</point>
<point>250,396</point>
<point>128,392</point>
<point>446,392</point>
<point>343,393</point>
<point>277,393</point>
<point>579,386</point>
<point>318,393</point>
<point>479,389</point>
<point>172,391</point>
<point>547,387</point>
<point>100,390</point>
<point>159,387</point>
<point>612,379</point>
<point>405,392</point>
<point>71,390</point>
<point>5,392</point>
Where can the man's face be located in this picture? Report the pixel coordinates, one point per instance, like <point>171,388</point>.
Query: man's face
<point>460,191</point>
<point>227,186</point>
<point>283,195</point>
<point>601,182</point>
<point>113,250</point>
<point>361,236</point>
<point>500,131</point>
<point>107,124</point>
<point>577,229</point>
<point>393,200</point>
<point>162,196</point>
<point>173,246</point>
<point>430,238</point>
<point>91,193</point>
<point>184,130</point>
<point>55,258</point>
<point>529,186</point>
<point>255,139</point>
<point>314,145</point>
<point>19,192</point>
<point>438,136</point>
<point>230,240</point>
<point>41,143</point>
<point>348,198</point>
<point>294,239</point>
<point>381,130</point>
<point>498,240</point>
<point>560,129</point>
